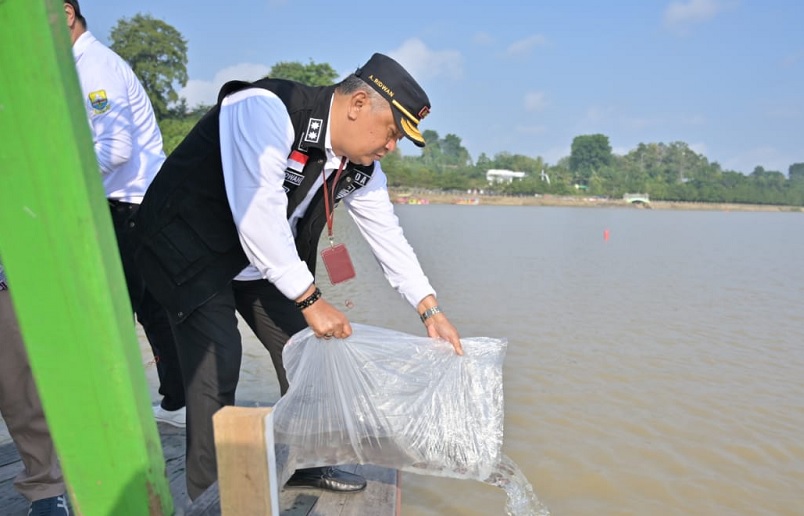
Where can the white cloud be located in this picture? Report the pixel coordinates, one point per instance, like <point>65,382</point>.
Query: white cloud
<point>424,63</point>
<point>699,148</point>
<point>767,157</point>
<point>420,61</point>
<point>598,114</point>
<point>524,46</point>
<point>639,123</point>
<point>531,129</point>
<point>784,112</point>
<point>679,14</point>
<point>483,38</point>
<point>555,154</point>
<point>535,101</point>
<point>793,59</point>
<point>206,92</point>
<point>694,120</point>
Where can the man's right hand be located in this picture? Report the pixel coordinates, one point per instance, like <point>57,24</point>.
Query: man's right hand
<point>325,320</point>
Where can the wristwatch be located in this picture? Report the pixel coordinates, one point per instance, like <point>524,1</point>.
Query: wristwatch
<point>430,312</point>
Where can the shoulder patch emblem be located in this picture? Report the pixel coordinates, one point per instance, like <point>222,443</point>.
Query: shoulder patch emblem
<point>313,130</point>
<point>99,102</point>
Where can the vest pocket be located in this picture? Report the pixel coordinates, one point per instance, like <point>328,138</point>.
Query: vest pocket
<point>180,250</point>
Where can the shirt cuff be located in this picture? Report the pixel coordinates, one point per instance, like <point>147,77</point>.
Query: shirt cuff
<point>414,293</point>
<point>294,281</point>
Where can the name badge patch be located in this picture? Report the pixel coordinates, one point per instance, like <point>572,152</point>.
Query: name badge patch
<point>293,172</point>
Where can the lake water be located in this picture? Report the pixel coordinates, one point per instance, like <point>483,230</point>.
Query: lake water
<point>656,372</point>
<point>659,371</point>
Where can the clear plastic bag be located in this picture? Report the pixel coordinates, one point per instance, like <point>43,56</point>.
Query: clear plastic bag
<point>391,399</point>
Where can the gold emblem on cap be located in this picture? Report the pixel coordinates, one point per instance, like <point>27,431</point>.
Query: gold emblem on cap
<point>405,111</point>
<point>411,130</point>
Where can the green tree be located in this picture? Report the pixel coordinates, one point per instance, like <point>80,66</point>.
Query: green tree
<point>441,154</point>
<point>157,53</point>
<point>796,172</point>
<point>431,153</point>
<point>484,162</point>
<point>175,129</point>
<point>311,74</point>
<point>518,163</point>
<point>589,153</point>
<point>454,152</point>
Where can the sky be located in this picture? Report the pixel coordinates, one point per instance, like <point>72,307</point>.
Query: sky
<point>525,77</point>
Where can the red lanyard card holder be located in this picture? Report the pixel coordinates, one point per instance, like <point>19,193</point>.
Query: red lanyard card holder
<point>338,263</point>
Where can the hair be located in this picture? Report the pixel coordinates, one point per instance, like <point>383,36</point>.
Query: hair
<point>77,10</point>
<point>354,83</point>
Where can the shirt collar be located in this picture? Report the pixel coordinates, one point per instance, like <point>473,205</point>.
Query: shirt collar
<point>81,44</point>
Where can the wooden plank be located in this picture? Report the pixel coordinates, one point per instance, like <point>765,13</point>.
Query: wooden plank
<point>244,478</point>
<point>380,498</point>
<point>208,504</point>
<point>173,447</point>
<point>299,503</point>
<point>59,250</point>
<point>8,454</point>
<point>11,502</point>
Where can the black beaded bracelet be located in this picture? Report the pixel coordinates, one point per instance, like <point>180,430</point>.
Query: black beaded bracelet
<point>309,300</point>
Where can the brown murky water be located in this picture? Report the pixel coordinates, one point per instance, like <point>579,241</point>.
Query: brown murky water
<point>659,372</point>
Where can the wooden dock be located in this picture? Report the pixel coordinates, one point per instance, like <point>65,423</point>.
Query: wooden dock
<point>381,497</point>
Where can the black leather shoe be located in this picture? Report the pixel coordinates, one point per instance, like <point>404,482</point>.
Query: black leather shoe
<point>328,478</point>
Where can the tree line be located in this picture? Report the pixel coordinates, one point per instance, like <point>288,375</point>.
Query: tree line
<point>157,53</point>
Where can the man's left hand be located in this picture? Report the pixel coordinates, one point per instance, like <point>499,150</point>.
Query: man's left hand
<point>438,326</point>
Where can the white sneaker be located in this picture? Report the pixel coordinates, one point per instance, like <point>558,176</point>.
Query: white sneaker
<point>171,417</point>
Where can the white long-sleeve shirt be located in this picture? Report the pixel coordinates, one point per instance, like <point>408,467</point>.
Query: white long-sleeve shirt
<point>128,143</point>
<point>256,138</point>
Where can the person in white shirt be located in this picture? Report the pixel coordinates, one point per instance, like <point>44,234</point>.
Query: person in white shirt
<point>128,146</point>
<point>232,221</point>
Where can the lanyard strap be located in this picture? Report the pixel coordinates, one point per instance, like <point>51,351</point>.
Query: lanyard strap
<point>331,213</point>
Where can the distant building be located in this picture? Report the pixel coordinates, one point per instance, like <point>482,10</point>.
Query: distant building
<point>503,176</point>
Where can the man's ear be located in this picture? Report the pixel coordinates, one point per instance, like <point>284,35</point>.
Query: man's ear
<point>70,12</point>
<point>358,101</point>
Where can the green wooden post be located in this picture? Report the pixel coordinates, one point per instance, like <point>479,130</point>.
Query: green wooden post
<point>58,246</point>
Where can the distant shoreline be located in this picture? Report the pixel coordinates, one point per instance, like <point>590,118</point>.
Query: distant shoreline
<point>405,197</point>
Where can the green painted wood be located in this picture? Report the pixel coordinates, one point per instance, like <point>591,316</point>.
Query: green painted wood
<point>58,247</point>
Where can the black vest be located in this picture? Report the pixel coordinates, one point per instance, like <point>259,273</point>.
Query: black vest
<point>188,247</point>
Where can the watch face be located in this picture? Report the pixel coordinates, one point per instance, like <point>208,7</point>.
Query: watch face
<point>430,312</point>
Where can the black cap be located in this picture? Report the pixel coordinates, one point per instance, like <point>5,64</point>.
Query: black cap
<point>408,100</point>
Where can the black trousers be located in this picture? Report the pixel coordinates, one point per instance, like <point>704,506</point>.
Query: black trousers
<point>150,314</point>
<point>210,352</point>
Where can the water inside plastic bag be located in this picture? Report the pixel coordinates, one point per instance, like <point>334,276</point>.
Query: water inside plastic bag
<point>400,401</point>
